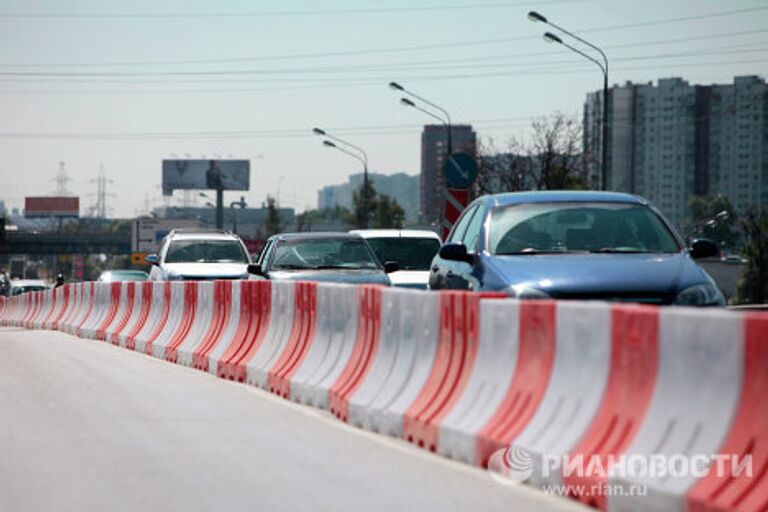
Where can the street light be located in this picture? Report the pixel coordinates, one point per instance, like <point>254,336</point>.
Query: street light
<point>552,38</point>
<point>445,121</point>
<point>358,154</point>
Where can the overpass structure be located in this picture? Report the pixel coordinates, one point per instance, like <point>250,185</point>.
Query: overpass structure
<point>64,243</point>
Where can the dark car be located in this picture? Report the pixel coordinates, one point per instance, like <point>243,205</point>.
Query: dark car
<point>336,257</point>
<point>573,245</point>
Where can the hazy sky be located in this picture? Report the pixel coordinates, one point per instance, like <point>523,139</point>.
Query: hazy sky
<point>126,84</point>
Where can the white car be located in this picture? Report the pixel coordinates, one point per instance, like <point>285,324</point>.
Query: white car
<point>28,285</point>
<point>412,249</point>
<point>198,254</point>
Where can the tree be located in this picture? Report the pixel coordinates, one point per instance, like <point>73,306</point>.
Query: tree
<point>753,286</point>
<point>552,160</point>
<point>708,221</point>
<point>502,172</point>
<point>363,204</point>
<point>273,223</point>
<point>336,216</point>
<point>387,214</point>
<point>374,210</point>
<point>556,148</point>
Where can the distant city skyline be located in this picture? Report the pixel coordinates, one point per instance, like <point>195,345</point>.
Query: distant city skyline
<point>128,85</point>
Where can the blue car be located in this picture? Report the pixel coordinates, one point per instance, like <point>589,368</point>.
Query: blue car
<point>574,245</point>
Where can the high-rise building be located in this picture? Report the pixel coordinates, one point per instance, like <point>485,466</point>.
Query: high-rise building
<point>434,150</point>
<point>670,141</point>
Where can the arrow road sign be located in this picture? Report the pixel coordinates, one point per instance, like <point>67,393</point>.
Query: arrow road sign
<point>460,170</point>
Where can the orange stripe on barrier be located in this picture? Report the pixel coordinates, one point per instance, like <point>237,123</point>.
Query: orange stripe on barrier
<point>634,363</point>
<point>360,361</point>
<point>536,356</point>
<point>304,324</point>
<point>725,489</point>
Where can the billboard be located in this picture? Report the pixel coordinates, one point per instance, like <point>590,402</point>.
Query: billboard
<point>205,175</point>
<point>46,207</point>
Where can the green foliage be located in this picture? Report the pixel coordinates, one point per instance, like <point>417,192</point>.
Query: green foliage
<point>309,219</point>
<point>374,210</point>
<point>273,223</point>
<point>387,214</point>
<point>707,224</point>
<point>753,287</point>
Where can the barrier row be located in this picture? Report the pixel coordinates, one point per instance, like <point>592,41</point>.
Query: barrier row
<point>519,386</point>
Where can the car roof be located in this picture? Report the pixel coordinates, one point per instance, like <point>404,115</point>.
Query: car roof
<point>396,233</point>
<point>314,235</point>
<point>554,196</point>
<point>29,282</point>
<point>202,235</point>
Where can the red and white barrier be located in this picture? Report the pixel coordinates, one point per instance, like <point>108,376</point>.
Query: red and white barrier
<point>471,377</point>
<point>335,334</point>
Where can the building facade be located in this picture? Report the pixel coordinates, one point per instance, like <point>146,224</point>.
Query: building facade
<point>403,188</point>
<point>434,151</point>
<point>671,141</point>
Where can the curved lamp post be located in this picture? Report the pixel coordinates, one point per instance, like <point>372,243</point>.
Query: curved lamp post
<point>552,38</point>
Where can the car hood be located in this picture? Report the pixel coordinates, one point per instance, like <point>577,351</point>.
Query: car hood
<point>560,274</point>
<point>357,276</point>
<point>410,278</point>
<point>208,270</point>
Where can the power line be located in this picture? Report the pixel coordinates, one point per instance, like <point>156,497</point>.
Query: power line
<point>308,12</point>
<point>433,46</point>
<point>343,69</point>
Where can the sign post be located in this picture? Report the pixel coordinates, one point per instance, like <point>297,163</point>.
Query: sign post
<point>460,172</point>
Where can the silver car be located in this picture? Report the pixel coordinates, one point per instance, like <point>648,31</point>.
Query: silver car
<point>197,254</point>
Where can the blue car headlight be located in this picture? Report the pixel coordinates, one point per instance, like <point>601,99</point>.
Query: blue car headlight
<point>526,292</point>
<point>704,294</point>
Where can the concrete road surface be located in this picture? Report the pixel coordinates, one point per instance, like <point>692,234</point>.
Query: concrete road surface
<point>88,426</point>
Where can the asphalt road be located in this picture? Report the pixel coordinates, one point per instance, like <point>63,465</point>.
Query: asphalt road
<point>88,426</point>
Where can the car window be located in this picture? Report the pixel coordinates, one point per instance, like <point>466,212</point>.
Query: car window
<point>349,253</point>
<point>472,234</point>
<point>205,251</point>
<point>457,235</point>
<point>579,227</point>
<point>265,252</point>
<point>412,253</point>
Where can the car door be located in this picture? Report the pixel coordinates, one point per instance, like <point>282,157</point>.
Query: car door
<point>445,274</point>
<point>466,277</point>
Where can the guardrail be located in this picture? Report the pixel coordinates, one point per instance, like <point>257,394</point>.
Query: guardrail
<point>517,386</point>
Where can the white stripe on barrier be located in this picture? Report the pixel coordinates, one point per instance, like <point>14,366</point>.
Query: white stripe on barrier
<point>175,317</point>
<point>494,368</point>
<point>282,313</point>
<point>575,391</point>
<point>700,366</point>
<point>335,334</point>
<point>154,319</point>
<point>203,315</point>
<point>230,329</point>
<point>416,348</point>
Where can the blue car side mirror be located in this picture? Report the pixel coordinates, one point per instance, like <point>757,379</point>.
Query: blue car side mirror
<point>455,251</point>
<point>703,248</point>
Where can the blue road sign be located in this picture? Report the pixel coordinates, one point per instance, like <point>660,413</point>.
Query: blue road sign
<point>460,170</point>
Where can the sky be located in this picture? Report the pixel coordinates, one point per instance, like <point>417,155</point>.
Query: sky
<point>120,86</point>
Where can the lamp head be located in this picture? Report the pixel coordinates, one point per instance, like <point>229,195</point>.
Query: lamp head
<point>536,17</point>
<point>552,38</point>
<point>318,131</point>
<point>329,144</point>
<point>396,86</point>
<point>407,102</point>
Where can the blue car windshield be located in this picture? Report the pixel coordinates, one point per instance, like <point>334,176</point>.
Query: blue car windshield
<point>561,227</point>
